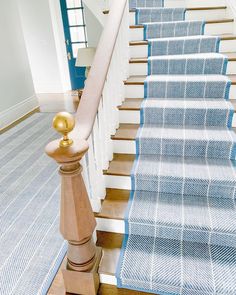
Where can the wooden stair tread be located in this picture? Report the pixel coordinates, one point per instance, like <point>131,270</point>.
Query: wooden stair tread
<point>196,8</point>
<point>139,80</point>
<point>134,104</point>
<point>135,80</point>
<point>206,8</point>
<point>131,104</point>
<point>114,205</point>
<point>187,9</point>
<point>126,132</point>
<point>214,21</point>
<point>121,165</point>
<point>231,57</point>
<point>223,37</point>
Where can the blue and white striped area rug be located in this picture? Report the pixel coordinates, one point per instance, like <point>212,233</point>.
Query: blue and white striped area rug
<point>31,247</point>
<point>180,224</point>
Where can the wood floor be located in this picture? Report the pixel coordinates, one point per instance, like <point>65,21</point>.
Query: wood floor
<point>103,290</point>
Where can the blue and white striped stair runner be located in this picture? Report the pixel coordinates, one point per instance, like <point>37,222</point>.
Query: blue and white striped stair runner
<point>180,224</point>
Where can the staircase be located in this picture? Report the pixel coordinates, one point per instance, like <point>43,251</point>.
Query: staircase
<point>161,157</point>
<point>189,230</point>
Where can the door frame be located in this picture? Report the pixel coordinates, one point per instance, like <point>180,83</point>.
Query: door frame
<point>77,74</point>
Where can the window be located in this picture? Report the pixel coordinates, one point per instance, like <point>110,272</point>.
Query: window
<point>75,12</point>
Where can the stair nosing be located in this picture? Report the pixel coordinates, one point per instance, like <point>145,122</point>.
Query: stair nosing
<point>132,139</point>
<point>187,9</point>
<point>194,8</point>
<point>144,60</point>
<point>123,108</point>
<point>145,42</point>
<point>141,83</point>
<point>216,21</point>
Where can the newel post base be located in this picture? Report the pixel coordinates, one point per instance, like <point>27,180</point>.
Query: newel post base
<point>77,221</point>
<point>85,283</point>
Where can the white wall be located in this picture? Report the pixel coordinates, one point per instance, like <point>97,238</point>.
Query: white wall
<point>17,95</point>
<point>96,8</point>
<point>231,4</point>
<point>93,25</point>
<point>42,27</point>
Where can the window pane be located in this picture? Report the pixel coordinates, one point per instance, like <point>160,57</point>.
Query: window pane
<point>75,17</point>
<point>77,34</point>
<point>73,3</point>
<point>75,48</point>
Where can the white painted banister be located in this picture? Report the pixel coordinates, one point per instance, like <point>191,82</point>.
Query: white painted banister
<point>104,57</point>
<point>97,115</point>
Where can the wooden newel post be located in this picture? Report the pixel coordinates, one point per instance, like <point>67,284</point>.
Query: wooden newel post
<point>77,222</point>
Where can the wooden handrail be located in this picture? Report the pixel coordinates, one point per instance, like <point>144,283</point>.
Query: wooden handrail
<point>94,85</point>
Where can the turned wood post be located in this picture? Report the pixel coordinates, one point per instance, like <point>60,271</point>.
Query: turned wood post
<point>77,222</point>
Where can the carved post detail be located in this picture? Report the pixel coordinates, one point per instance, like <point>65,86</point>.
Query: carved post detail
<point>77,222</point>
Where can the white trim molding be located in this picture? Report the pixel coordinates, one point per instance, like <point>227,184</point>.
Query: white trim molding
<point>17,111</point>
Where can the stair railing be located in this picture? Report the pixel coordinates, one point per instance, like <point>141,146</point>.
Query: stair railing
<point>87,143</point>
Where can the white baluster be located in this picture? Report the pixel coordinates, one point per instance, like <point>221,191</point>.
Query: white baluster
<point>97,151</point>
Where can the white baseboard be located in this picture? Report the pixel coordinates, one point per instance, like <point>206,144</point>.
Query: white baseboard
<point>17,111</point>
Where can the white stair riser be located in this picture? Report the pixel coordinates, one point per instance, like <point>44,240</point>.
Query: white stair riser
<point>118,182</point>
<point>107,279</point>
<point>139,51</point>
<point>137,91</point>
<point>110,225</point>
<point>136,34</point>
<point>133,117</point>
<point>124,147</point>
<point>195,15</point>
<point>141,69</point>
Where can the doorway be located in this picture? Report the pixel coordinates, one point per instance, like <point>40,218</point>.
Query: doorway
<point>75,38</point>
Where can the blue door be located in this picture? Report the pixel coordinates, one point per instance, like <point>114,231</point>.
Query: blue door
<point>75,37</point>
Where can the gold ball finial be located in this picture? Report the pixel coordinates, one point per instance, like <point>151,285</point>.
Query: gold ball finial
<point>64,123</point>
